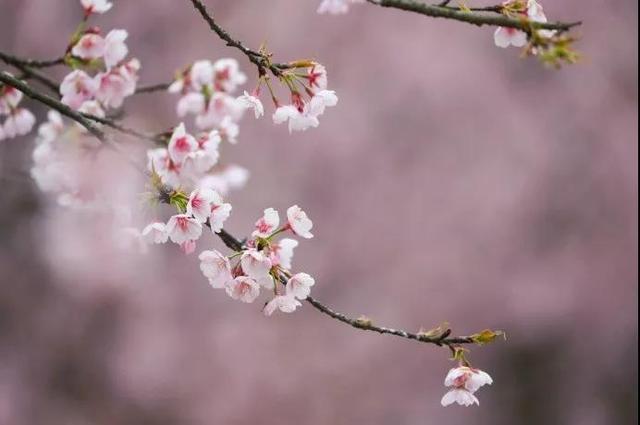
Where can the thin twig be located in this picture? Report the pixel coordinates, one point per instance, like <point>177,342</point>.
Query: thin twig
<point>29,73</point>
<point>261,60</point>
<point>153,88</point>
<point>481,16</point>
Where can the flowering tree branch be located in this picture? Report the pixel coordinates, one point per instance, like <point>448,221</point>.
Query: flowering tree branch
<point>26,67</point>
<point>491,15</point>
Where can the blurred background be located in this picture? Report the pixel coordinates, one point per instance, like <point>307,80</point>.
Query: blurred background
<point>453,182</point>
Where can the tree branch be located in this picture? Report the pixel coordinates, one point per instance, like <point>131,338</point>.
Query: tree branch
<point>479,17</point>
<point>261,60</point>
<point>28,73</point>
<point>152,88</point>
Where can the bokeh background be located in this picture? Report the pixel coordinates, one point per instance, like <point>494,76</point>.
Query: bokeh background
<point>453,182</point>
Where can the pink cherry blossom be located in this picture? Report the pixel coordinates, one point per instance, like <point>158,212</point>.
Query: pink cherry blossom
<point>220,106</point>
<point>155,233</point>
<point>181,144</point>
<point>220,212</point>
<point>299,223</point>
<point>299,285</point>
<point>191,103</point>
<point>267,224</point>
<point>182,228</point>
<point>255,264</point>
<point>243,288</point>
<point>216,268</point>
<point>77,87</point>
<point>284,303</point>
<point>248,101</point>
<point>298,121</point>
<point>336,7</point>
<point>90,46</point>
<point>464,381</point>
<point>115,48</point>
<point>505,37</point>
<point>229,130</point>
<point>281,252</point>
<point>9,99</point>
<point>317,76</point>
<point>200,204</point>
<point>188,247</point>
<point>18,123</point>
<point>227,75</point>
<point>96,6</point>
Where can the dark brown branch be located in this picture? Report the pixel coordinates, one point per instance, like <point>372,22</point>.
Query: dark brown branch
<point>261,60</point>
<point>479,17</point>
<point>65,110</point>
<point>28,72</point>
<point>153,88</point>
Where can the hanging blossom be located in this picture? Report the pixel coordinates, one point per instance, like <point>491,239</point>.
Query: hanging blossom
<point>192,163</point>
<point>336,7</point>
<point>264,263</point>
<point>19,121</point>
<point>505,37</point>
<point>95,6</point>
<point>116,78</point>
<point>206,91</point>
<point>464,381</point>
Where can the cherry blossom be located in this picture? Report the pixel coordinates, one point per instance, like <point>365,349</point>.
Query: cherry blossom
<point>298,121</point>
<point>227,75</point>
<point>96,6</point>
<point>77,87</point>
<point>9,99</point>
<point>115,48</point>
<point>505,37</point>
<point>182,228</point>
<point>216,268</point>
<point>281,252</point>
<point>155,233</point>
<point>243,288</point>
<point>284,303</point>
<point>464,381</point>
<point>90,46</point>
<point>267,224</point>
<point>317,77</point>
<point>255,264</point>
<point>249,101</point>
<point>181,144</point>
<point>336,7</point>
<point>299,285</point>
<point>220,212</point>
<point>299,223</point>
<point>18,123</point>
<point>322,100</point>
<point>199,204</point>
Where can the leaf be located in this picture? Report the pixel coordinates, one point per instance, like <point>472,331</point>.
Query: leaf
<point>487,336</point>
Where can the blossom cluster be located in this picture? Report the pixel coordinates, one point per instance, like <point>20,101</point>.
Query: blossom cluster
<point>19,121</point>
<point>206,91</point>
<point>464,381</point>
<point>191,162</point>
<point>307,84</point>
<point>532,10</point>
<point>264,263</point>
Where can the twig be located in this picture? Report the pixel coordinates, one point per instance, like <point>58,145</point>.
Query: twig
<point>29,73</point>
<point>261,60</point>
<point>65,110</point>
<point>479,17</point>
<point>152,88</point>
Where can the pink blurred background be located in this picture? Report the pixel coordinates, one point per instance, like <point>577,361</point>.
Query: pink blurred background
<point>453,182</point>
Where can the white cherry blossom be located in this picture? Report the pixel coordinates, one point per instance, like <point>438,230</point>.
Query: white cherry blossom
<point>243,288</point>
<point>255,264</point>
<point>281,252</point>
<point>96,6</point>
<point>77,87</point>
<point>155,233</point>
<point>299,223</point>
<point>249,101</point>
<point>115,48</point>
<point>220,212</point>
<point>336,7</point>
<point>227,75</point>
<point>182,228</point>
<point>284,303</point>
<point>299,285</point>
<point>267,224</point>
<point>464,381</point>
<point>90,46</point>
<point>181,143</point>
<point>216,268</point>
<point>18,123</point>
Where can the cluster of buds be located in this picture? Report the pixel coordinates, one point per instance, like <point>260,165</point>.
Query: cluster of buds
<point>264,263</point>
<point>206,90</point>
<point>191,162</point>
<point>88,52</point>
<point>336,7</point>
<point>19,121</point>
<point>306,82</point>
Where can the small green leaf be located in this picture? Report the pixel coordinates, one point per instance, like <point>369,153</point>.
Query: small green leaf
<point>487,336</point>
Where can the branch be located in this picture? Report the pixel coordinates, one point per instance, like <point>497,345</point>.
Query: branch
<point>153,88</point>
<point>443,339</point>
<point>86,121</point>
<point>261,60</point>
<point>480,16</point>
<point>28,73</point>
